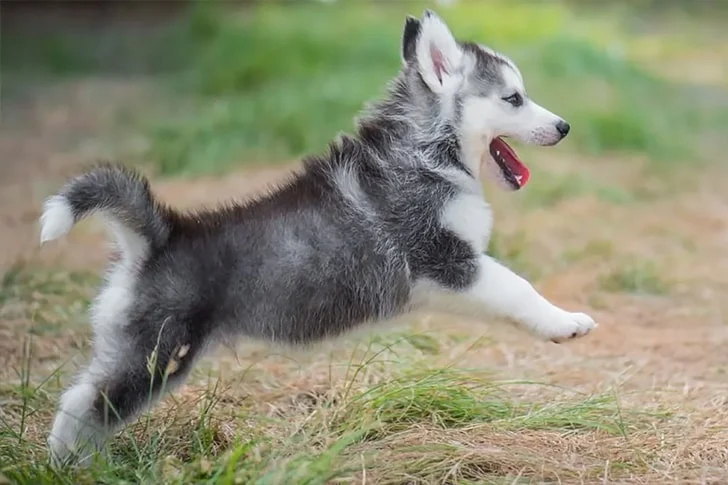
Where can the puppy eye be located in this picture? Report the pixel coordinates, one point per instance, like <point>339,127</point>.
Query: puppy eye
<point>514,99</point>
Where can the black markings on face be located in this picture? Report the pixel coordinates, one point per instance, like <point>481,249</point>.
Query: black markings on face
<point>487,75</point>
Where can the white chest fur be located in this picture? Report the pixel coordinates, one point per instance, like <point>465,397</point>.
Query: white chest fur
<point>470,217</point>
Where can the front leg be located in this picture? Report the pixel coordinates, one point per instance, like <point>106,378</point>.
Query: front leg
<point>499,290</point>
<point>508,295</point>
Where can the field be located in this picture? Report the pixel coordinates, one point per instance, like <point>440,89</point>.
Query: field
<point>627,219</point>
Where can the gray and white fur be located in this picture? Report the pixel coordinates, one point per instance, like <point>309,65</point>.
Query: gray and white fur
<point>389,220</point>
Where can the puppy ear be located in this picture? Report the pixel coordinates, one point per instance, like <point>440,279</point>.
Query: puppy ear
<point>411,32</point>
<point>438,54</point>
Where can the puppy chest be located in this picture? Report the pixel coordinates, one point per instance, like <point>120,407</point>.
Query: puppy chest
<point>471,218</point>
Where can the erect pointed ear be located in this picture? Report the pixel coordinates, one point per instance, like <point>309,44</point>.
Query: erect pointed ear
<point>438,54</point>
<point>411,32</point>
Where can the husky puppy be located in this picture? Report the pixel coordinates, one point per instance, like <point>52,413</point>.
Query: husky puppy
<point>389,220</point>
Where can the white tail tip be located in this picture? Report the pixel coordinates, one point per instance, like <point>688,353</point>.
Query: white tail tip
<point>57,218</point>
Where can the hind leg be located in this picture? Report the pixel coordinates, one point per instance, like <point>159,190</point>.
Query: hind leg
<point>113,390</point>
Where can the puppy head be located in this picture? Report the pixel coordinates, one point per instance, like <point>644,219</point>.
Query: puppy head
<point>482,94</point>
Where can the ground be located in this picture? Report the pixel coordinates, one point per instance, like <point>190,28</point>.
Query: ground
<point>643,399</point>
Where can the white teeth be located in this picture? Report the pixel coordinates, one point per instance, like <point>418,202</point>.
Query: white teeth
<point>518,178</point>
<point>497,152</point>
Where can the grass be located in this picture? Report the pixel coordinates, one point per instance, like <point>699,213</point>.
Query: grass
<point>392,413</point>
<point>445,399</point>
<point>552,189</point>
<point>275,82</point>
<point>636,277</point>
<point>513,250</point>
<point>272,83</point>
<point>51,299</point>
<point>334,438</point>
<point>330,61</point>
<point>381,405</point>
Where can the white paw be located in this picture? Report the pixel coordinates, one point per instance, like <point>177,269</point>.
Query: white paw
<point>62,455</point>
<point>565,326</point>
<point>74,439</point>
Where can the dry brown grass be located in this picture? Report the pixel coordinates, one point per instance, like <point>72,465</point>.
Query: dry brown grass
<point>641,400</point>
<point>656,352</point>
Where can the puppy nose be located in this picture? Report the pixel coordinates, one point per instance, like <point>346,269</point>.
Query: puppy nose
<point>563,127</point>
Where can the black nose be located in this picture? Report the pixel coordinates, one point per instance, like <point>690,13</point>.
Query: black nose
<point>563,128</point>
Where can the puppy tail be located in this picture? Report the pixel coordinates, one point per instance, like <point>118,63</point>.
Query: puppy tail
<point>121,196</point>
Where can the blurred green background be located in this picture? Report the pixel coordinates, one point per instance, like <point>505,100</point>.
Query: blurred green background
<point>239,83</point>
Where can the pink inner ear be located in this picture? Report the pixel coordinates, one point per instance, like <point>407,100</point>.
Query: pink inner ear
<point>438,62</point>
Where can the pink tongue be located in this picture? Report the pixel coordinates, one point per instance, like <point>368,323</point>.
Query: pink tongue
<point>517,168</point>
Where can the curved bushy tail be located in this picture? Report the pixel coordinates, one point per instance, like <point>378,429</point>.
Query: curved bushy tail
<point>121,196</point>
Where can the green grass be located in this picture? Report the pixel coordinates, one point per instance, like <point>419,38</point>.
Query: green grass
<point>67,53</point>
<point>641,278</point>
<point>51,299</point>
<point>283,81</point>
<point>448,398</point>
<point>552,189</point>
<point>513,250</point>
<point>359,427</point>
<point>274,82</point>
<point>276,85</point>
<point>367,418</point>
<point>597,249</point>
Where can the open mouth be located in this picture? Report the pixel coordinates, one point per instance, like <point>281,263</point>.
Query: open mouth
<point>514,172</point>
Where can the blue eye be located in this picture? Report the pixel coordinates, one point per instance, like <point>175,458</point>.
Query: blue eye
<point>514,100</point>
